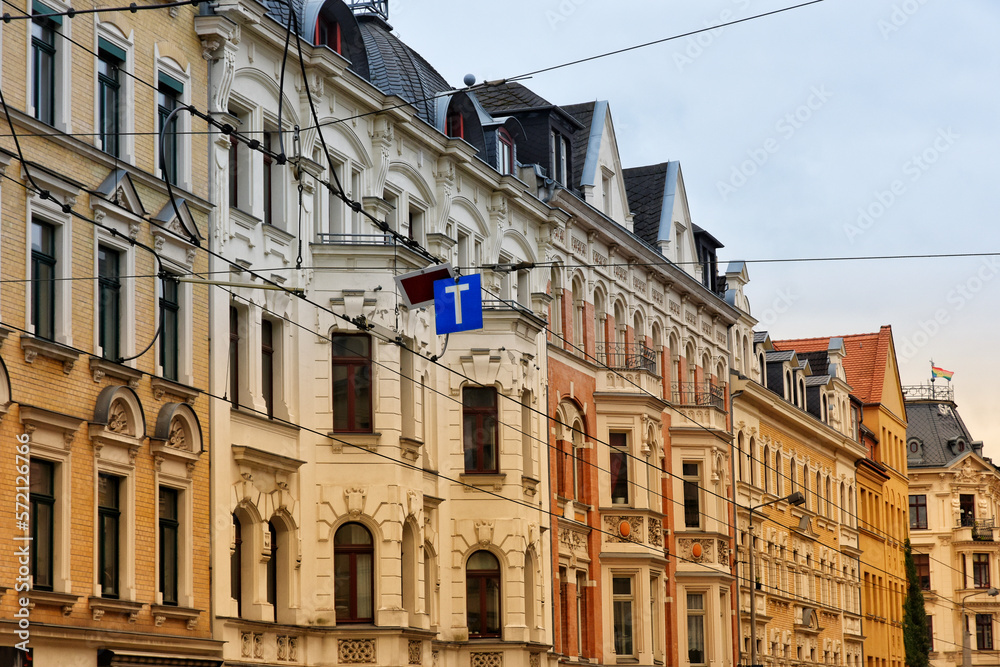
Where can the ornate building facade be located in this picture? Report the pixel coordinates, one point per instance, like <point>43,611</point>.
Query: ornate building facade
<point>871,371</point>
<point>105,359</point>
<point>795,431</point>
<point>380,490</point>
<point>954,496</point>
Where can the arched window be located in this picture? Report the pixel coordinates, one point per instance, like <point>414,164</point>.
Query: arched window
<point>272,571</point>
<point>766,460</point>
<point>740,474</point>
<point>819,490</point>
<point>354,577</point>
<point>788,386</point>
<point>236,566</point>
<point>805,485</point>
<point>482,592</point>
<point>777,473</point>
<point>408,572</point>
<point>791,468</point>
<point>763,369</point>
<point>505,154</point>
<point>751,460</point>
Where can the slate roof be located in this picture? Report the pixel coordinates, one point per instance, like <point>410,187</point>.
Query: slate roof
<point>399,70</point>
<point>864,364</point>
<point>510,97</point>
<point>817,380</point>
<point>759,336</point>
<point>779,355</point>
<point>818,361</point>
<point>644,186</point>
<point>584,113</point>
<point>934,423</point>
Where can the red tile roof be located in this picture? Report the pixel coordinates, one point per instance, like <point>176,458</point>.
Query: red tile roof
<point>865,362</point>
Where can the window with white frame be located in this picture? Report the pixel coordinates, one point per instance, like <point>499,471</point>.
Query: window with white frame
<point>691,482</point>
<point>173,151</point>
<point>109,302</point>
<point>115,89</point>
<point>622,605</point>
<point>696,627</point>
<point>48,63</point>
<point>619,456</point>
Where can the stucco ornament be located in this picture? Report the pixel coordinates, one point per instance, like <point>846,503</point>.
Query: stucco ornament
<point>484,532</point>
<point>355,497</point>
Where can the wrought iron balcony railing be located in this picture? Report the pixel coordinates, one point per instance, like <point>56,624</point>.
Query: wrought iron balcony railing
<point>627,357</point>
<point>355,239</point>
<point>699,393</point>
<point>982,530</point>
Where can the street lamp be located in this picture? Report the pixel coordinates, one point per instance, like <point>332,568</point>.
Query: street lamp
<point>794,498</point>
<point>966,635</point>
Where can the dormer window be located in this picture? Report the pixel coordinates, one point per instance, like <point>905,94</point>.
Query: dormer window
<point>327,34</point>
<point>559,155</point>
<point>455,125</point>
<point>505,154</point>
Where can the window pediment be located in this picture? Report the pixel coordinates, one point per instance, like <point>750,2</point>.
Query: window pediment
<point>118,423</point>
<point>118,192</point>
<point>49,428</point>
<point>177,439</point>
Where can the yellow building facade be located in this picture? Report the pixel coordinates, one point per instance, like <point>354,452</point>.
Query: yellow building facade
<point>872,373</point>
<point>106,494</point>
<point>797,564</point>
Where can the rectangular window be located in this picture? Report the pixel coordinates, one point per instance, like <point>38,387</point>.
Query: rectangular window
<point>981,570</point>
<point>108,533</point>
<point>967,508</point>
<point>696,628</point>
<point>455,125</point>
<point>984,632</point>
<point>43,63</point>
<point>267,365</point>
<point>621,592</point>
<point>923,564</point>
<point>109,302</point>
<point>43,503</point>
<point>168,96</point>
<point>918,512</point>
<point>110,60</point>
<point>692,497</point>
<point>43,283</point>
<point>479,429</point>
<point>169,524</point>
<point>268,185</point>
<point>619,468</point>
<point>930,633</point>
<point>352,384</point>
<point>234,171</point>
<point>234,356</point>
<point>581,610</point>
<point>169,327</point>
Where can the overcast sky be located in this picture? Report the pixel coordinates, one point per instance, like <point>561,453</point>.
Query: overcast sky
<point>846,128</point>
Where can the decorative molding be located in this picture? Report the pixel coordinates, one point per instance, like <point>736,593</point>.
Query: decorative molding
<point>35,347</point>
<point>356,651</point>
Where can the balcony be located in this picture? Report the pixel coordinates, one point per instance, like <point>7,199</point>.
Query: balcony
<point>982,530</point>
<point>699,394</point>
<point>627,357</point>
<point>355,239</point>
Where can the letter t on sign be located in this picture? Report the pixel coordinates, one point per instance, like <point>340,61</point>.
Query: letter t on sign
<point>455,311</point>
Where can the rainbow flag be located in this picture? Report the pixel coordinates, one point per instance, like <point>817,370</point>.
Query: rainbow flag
<point>941,373</point>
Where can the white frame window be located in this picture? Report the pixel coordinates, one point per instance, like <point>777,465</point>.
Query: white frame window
<point>117,40</point>
<point>168,72</point>
<point>61,65</point>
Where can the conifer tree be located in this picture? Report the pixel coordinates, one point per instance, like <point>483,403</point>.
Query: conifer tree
<point>915,638</point>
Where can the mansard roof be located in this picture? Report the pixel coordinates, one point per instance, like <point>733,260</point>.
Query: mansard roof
<point>647,195</point>
<point>510,97</point>
<point>865,361</point>
<point>937,427</point>
<point>399,70</point>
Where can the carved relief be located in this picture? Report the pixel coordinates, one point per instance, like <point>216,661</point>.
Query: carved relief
<point>355,497</point>
<point>356,651</point>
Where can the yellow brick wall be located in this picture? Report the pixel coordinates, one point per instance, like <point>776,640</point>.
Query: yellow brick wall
<point>43,382</point>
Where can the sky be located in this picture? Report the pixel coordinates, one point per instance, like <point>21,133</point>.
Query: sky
<point>845,128</point>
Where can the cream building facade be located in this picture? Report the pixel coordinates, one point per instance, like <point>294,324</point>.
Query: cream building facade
<point>379,489</point>
<point>954,497</point>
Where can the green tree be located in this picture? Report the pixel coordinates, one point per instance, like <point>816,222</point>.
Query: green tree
<point>915,638</point>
